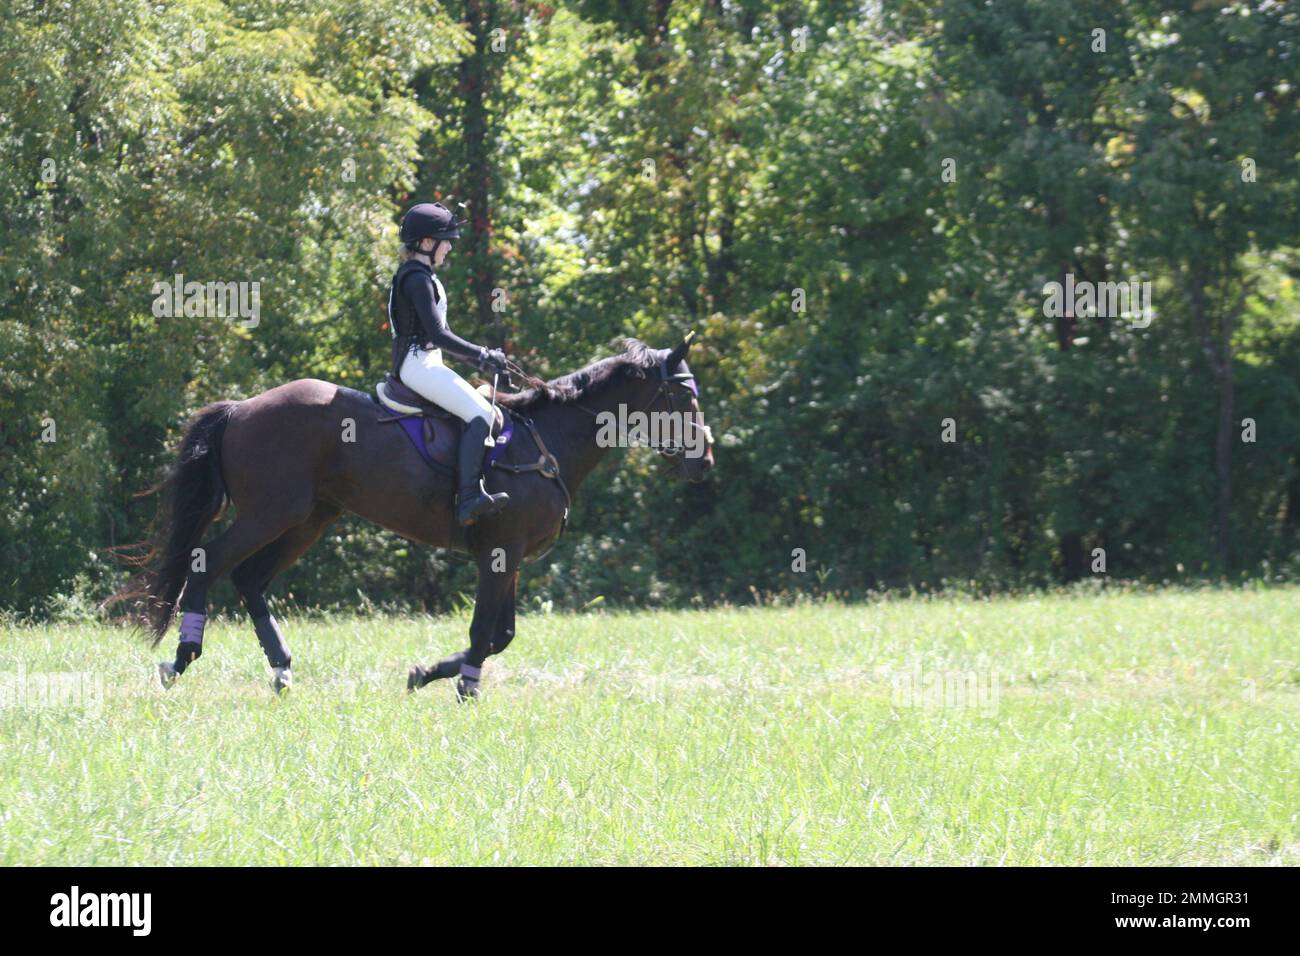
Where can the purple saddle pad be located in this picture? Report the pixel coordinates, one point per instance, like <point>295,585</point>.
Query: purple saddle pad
<point>439,453</point>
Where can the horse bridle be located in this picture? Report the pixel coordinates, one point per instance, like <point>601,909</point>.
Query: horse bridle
<point>666,381</point>
<point>549,467</point>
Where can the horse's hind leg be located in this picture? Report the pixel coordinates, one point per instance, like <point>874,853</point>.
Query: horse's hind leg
<point>248,534</point>
<point>253,575</point>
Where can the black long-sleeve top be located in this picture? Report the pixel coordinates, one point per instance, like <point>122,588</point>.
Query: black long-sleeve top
<point>417,316</point>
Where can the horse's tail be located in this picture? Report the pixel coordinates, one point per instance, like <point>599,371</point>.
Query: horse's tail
<point>193,495</point>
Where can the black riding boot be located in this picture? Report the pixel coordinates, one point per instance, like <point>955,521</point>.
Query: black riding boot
<point>473,501</point>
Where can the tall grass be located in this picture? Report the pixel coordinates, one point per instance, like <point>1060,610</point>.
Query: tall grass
<point>1107,729</point>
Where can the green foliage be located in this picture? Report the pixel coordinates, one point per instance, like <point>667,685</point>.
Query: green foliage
<point>645,168</point>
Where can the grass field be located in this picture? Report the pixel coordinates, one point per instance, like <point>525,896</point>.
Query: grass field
<point>1069,729</point>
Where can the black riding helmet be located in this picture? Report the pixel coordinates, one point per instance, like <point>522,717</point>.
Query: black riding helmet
<point>429,220</point>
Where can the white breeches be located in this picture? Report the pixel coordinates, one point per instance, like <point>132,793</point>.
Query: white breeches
<point>424,372</point>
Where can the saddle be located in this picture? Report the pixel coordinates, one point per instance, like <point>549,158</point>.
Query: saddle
<point>396,397</point>
<point>434,431</point>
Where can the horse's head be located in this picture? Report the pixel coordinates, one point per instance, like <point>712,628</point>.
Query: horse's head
<point>691,446</point>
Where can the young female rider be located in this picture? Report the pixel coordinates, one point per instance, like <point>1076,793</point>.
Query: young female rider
<point>417,317</point>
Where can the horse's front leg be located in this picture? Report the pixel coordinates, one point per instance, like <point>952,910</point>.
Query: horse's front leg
<point>498,577</point>
<point>449,666</point>
<point>496,583</point>
<point>506,622</point>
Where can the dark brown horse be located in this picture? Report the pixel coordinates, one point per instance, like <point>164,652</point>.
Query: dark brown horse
<point>292,459</point>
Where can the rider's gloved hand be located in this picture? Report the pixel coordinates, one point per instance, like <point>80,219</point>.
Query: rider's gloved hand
<point>492,360</point>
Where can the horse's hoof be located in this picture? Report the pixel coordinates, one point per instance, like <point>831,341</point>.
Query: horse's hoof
<point>282,681</point>
<point>416,678</point>
<point>167,674</point>
<point>466,692</point>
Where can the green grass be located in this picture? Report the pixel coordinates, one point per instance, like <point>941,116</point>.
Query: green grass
<point>1156,728</point>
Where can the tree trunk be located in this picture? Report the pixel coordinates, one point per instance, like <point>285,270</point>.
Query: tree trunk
<point>477,80</point>
<point>1291,522</point>
<point>1219,357</point>
<point>1073,562</point>
<point>1223,469</point>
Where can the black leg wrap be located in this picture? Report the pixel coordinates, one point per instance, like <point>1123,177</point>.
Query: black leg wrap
<point>186,653</point>
<point>272,641</point>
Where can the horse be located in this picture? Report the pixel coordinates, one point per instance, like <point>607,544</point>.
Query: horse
<point>292,459</point>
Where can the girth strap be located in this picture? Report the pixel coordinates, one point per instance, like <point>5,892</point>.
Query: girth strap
<point>548,467</point>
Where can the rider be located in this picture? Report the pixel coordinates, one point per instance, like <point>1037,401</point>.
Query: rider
<point>417,317</point>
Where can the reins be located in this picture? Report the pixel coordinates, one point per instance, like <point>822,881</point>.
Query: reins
<point>665,380</point>
<point>548,466</point>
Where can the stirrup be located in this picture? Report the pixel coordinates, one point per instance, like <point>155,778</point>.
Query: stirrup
<point>478,503</point>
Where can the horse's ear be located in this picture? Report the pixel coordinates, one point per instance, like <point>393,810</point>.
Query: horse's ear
<point>676,356</point>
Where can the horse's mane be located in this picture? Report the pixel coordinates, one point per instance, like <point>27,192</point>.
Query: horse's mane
<point>567,389</point>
